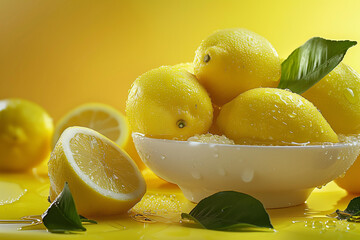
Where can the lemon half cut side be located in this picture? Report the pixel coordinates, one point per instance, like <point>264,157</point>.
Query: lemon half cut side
<point>103,179</point>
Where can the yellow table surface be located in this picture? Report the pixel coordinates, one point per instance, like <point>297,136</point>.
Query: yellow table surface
<point>162,206</point>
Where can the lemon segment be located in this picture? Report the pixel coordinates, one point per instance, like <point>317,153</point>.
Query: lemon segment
<point>232,61</point>
<point>273,116</point>
<point>99,117</point>
<point>103,179</point>
<point>25,134</point>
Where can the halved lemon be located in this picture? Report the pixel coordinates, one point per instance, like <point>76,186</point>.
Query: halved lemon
<point>99,117</point>
<point>103,179</point>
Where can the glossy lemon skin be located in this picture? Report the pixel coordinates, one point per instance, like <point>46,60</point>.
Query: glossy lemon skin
<point>337,96</point>
<point>188,66</point>
<point>25,134</point>
<point>350,181</point>
<point>273,116</point>
<point>232,61</point>
<point>169,103</point>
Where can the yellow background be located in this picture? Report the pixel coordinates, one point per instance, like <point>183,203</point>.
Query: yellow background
<point>60,54</point>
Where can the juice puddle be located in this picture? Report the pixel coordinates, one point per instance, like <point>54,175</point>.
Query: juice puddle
<point>10,192</point>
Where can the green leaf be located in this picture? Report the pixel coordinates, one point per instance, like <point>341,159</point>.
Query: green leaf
<point>354,207</point>
<point>231,211</point>
<point>351,213</point>
<point>311,62</point>
<point>62,215</point>
<point>84,219</point>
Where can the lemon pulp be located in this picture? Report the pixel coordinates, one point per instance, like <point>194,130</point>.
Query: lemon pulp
<point>103,164</point>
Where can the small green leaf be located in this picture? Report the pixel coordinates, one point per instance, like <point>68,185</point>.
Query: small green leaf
<point>231,211</point>
<point>62,215</point>
<point>311,62</point>
<point>351,213</point>
<point>354,207</point>
<point>84,219</point>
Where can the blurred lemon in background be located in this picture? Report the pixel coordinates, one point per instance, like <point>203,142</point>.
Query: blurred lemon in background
<point>103,179</point>
<point>168,102</point>
<point>273,116</point>
<point>337,96</point>
<point>25,134</point>
<point>99,117</point>
<point>103,119</point>
<point>232,61</point>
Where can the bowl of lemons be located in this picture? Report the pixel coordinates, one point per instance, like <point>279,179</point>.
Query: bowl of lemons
<point>279,176</point>
<point>239,119</point>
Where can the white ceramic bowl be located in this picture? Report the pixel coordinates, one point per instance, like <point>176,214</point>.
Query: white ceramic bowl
<point>279,176</point>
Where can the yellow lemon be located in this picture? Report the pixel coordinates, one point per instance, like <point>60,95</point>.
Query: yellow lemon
<point>350,181</point>
<point>25,134</point>
<point>273,116</point>
<point>167,102</point>
<point>232,61</point>
<point>102,178</point>
<point>337,96</point>
<point>99,117</point>
<point>189,66</point>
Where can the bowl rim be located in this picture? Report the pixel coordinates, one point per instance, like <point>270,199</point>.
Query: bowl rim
<point>325,145</point>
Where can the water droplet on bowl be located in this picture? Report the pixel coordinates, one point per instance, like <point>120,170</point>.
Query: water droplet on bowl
<point>247,175</point>
<point>196,175</point>
<point>342,175</point>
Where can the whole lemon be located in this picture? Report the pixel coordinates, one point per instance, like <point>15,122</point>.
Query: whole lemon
<point>337,96</point>
<point>350,181</point>
<point>188,66</point>
<point>168,102</point>
<point>273,116</point>
<point>25,134</point>
<point>232,61</point>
